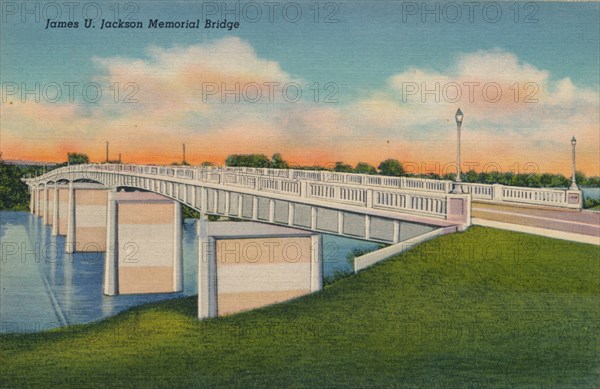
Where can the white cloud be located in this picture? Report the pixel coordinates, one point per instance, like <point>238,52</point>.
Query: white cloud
<point>418,125</point>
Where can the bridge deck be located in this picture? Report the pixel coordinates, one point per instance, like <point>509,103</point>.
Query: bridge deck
<point>569,221</point>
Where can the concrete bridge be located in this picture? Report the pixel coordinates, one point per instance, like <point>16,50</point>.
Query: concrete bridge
<point>132,211</point>
<point>377,211</point>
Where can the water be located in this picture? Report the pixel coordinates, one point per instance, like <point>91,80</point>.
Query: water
<point>42,287</point>
<point>591,193</point>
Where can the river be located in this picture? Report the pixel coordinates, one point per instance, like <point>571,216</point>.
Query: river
<point>41,287</point>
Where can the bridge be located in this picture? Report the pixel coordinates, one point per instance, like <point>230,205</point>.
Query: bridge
<point>105,207</point>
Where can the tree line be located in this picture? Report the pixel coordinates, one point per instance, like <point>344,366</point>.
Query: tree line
<point>393,167</point>
<point>14,193</point>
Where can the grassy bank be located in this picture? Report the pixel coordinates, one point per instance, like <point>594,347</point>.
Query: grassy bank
<point>484,308</point>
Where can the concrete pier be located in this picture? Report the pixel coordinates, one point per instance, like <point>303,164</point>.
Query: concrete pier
<point>144,252</point>
<point>247,265</point>
<point>86,217</point>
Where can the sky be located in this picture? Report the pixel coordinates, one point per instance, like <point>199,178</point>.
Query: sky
<point>319,82</point>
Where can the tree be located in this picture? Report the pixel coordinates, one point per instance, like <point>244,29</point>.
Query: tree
<point>560,181</point>
<point>391,167</point>
<point>13,192</point>
<point>248,160</point>
<point>594,181</point>
<point>581,179</point>
<point>342,167</point>
<point>365,168</point>
<point>470,176</point>
<point>78,158</point>
<point>277,162</point>
<point>546,179</point>
<point>207,163</point>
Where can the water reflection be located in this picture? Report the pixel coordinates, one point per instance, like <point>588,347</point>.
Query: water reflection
<point>43,287</point>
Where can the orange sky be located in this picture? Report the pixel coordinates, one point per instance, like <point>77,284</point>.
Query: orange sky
<point>420,156</point>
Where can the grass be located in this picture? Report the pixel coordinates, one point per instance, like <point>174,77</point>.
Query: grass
<point>483,308</point>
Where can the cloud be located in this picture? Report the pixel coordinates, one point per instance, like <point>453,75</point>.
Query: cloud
<point>411,118</point>
<point>514,113</point>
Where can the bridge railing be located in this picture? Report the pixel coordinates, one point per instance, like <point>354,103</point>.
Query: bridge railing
<point>432,205</point>
<point>344,187</point>
<point>479,191</point>
<point>504,194</point>
<point>411,183</point>
<point>348,192</point>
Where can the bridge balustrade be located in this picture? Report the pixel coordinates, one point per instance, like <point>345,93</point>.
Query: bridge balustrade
<point>534,196</point>
<point>356,189</point>
<point>411,202</point>
<point>479,191</point>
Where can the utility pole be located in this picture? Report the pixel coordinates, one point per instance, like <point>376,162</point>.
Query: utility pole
<point>119,158</point>
<point>183,162</point>
<point>107,152</point>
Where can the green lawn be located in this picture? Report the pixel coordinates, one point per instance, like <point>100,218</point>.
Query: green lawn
<point>483,308</point>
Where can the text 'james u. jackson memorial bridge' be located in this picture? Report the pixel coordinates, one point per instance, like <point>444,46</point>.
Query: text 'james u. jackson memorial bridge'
<point>133,213</point>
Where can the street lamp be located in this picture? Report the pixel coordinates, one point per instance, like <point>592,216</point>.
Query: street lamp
<point>457,182</point>
<point>573,182</point>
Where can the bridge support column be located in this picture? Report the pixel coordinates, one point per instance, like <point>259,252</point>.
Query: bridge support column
<point>111,260</point>
<point>55,211</point>
<point>193,199</point>
<point>396,236</point>
<point>70,241</point>
<point>207,297</point>
<point>177,249</point>
<point>39,202</point>
<point>203,199</point>
<point>316,259</point>
<point>86,217</point>
<point>45,216</point>
<point>271,211</point>
<point>227,198</point>
<point>144,245</point>
<point>32,199</point>
<point>248,265</point>
<point>291,210</point>
<point>254,207</point>
<point>35,199</point>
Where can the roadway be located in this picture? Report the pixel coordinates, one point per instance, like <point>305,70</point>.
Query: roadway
<point>581,222</point>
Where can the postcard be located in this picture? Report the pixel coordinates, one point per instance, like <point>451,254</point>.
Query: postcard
<point>299,194</point>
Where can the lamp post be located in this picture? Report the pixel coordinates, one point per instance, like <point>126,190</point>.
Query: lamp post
<point>573,181</point>
<point>457,182</point>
